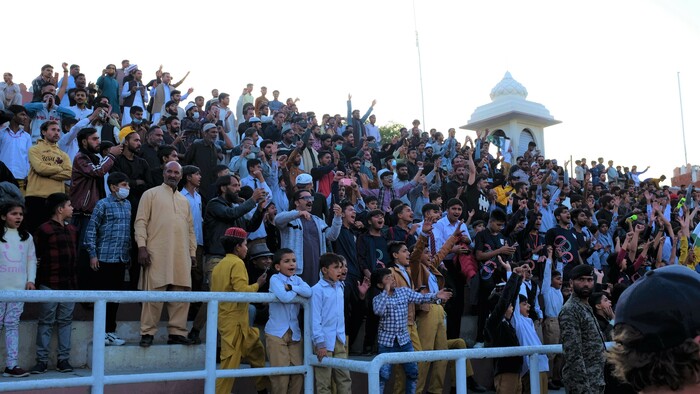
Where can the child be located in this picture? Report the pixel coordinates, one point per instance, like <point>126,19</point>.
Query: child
<point>238,338</point>
<point>392,308</point>
<point>282,333</point>
<point>328,324</point>
<point>553,301</point>
<point>57,252</point>
<point>18,265</point>
<point>107,240</point>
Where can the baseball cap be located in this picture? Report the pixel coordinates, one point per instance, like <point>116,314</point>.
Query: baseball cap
<point>663,306</point>
<point>304,179</point>
<point>382,172</point>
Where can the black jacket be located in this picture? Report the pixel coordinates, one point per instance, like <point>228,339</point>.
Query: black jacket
<point>500,332</point>
<point>220,215</point>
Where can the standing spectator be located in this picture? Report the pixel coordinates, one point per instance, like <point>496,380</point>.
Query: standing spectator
<point>191,177</point>
<point>553,302</point>
<point>275,104</point>
<point>225,211</point>
<point>15,143</point>
<point>109,86</point>
<point>228,118</point>
<point>260,100</point>
<point>87,187</point>
<point>238,338</point>
<point>162,93</point>
<point>108,240</point>
<point>56,244</point>
<point>328,325</point>
<point>372,246</point>
<point>139,177</point>
<point>10,93</point>
<point>372,130</point>
<point>149,151</point>
<point>564,242</point>
<point>386,192</point>
<point>500,332</point>
<point>582,340</point>
<point>357,123</point>
<point>167,250</point>
<point>49,167</point>
<point>133,94</point>
<point>282,332</point>
<point>306,234</point>
<point>81,109</point>
<point>392,305</point>
<point>45,111</point>
<point>656,332</point>
<point>18,265</point>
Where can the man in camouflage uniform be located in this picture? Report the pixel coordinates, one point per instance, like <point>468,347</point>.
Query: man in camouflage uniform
<point>583,343</point>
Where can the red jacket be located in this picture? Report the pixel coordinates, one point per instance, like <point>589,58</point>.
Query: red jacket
<point>87,181</point>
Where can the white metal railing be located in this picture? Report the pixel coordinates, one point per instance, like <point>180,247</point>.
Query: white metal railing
<point>371,368</point>
<point>97,380</point>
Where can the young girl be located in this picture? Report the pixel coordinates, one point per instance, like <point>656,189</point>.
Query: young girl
<point>18,268</point>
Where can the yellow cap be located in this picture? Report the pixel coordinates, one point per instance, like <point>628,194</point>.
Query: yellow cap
<point>124,132</point>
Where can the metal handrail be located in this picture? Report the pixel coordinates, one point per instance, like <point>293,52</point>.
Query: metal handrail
<point>98,379</point>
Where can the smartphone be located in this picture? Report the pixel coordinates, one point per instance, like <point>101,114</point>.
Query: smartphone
<point>345,182</point>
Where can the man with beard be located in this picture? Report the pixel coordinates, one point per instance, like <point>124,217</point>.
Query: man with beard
<point>87,187</point>
<point>226,210</point>
<point>306,234</point>
<point>174,136</point>
<point>163,92</point>
<point>167,249</point>
<point>582,340</point>
<point>99,121</point>
<point>149,151</point>
<point>139,173</point>
<point>402,179</point>
<point>204,154</point>
<point>109,86</point>
<point>323,175</point>
<point>387,192</point>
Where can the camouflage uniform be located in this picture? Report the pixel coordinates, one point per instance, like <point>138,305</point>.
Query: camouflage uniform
<point>584,348</point>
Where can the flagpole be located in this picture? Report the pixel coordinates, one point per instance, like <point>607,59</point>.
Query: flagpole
<point>420,68</point>
<point>680,98</point>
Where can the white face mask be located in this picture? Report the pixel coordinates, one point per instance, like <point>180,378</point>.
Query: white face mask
<point>195,115</point>
<point>122,193</point>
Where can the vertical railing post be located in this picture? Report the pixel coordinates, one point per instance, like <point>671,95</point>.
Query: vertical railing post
<point>534,373</point>
<point>210,346</point>
<point>98,347</point>
<point>373,377</point>
<point>308,352</point>
<point>461,375</point>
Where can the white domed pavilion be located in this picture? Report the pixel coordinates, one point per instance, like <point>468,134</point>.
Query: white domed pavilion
<point>511,115</point>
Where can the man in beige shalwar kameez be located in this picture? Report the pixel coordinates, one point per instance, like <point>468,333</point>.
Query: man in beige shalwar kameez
<point>165,236</point>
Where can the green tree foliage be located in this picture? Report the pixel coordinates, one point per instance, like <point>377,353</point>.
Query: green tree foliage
<point>390,130</point>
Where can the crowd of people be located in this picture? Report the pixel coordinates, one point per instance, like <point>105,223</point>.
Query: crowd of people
<point>125,184</point>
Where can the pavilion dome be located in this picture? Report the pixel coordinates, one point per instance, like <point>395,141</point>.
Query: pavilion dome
<point>508,87</point>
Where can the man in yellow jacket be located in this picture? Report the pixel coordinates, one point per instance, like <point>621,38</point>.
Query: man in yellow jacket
<point>49,167</point>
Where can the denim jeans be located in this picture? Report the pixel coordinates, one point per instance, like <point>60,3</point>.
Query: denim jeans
<point>411,369</point>
<point>50,313</point>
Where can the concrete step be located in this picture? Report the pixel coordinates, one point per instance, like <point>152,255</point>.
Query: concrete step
<point>157,357</point>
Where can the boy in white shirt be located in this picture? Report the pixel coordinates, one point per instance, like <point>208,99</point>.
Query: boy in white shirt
<point>328,324</point>
<point>282,333</point>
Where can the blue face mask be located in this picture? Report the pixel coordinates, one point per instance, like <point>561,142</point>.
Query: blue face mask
<point>122,193</point>
<point>136,121</point>
<point>195,115</point>
<point>339,147</point>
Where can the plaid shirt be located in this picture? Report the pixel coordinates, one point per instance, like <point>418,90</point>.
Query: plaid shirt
<point>108,235</point>
<point>56,255</point>
<point>393,314</point>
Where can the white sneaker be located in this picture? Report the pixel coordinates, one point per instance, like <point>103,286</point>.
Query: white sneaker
<point>111,339</point>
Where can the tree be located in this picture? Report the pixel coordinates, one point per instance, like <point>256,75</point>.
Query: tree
<point>390,130</point>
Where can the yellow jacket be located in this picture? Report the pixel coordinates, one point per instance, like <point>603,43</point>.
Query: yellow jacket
<point>49,166</point>
<point>502,194</point>
<point>684,254</point>
<point>230,275</point>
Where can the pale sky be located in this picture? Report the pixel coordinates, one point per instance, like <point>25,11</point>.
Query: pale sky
<point>606,69</point>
